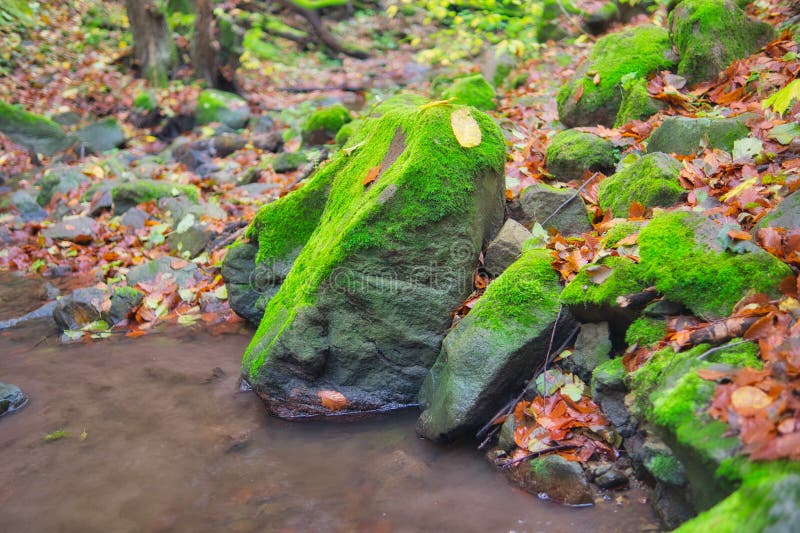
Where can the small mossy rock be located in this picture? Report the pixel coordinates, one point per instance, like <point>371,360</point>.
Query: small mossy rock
<point>32,131</point>
<point>540,201</point>
<point>710,34</point>
<point>82,307</point>
<point>608,391</point>
<point>101,136</point>
<point>78,229</point>
<point>486,358</point>
<point>685,136</point>
<point>560,480</point>
<point>223,107</point>
<point>785,215</point>
<point>189,242</point>
<point>29,210</point>
<point>639,50</point>
<point>322,125</point>
<point>505,439</point>
<point>651,181</point>
<point>592,348</point>
<point>506,247</point>
<point>661,463</point>
<point>345,132</point>
<point>572,152</point>
<point>123,301</point>
<point>11,398</point>
<point>497,63</point>
<point>179,270</point>
<point>61,179</point>
<point>130,194</point>
<point>472,90</point>
<point>289,162</point>
<point>364,308</point>
<point>145,101</point>
<point>681,254</point>
<point>637,104</point>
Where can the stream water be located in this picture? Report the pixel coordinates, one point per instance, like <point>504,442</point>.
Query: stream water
<point>158,438</point>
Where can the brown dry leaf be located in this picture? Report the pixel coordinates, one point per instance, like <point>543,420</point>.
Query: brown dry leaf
<point>332,399</point>
<point>465,128</point>
<point>739,235</point>
<point>747,398</point>
<point>579,93</point>
<point>372,175</point>
<point>636,211</point>
<point>712,375</point>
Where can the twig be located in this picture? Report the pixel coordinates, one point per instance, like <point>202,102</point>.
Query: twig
<point>344,88</point>
<point>533,455</point>
<point>719,348</point>
<point>550,348</point>
<point>571,198</point>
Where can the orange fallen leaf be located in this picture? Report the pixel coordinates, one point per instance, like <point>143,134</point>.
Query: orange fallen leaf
<point>332,399</point>
<point>746,399</point>
<point>372,175</point>
<point>739,235</point>
<point>636,211</point>
<point>579,93</point>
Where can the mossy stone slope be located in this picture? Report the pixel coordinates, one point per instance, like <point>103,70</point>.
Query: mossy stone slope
<point>710,34</point>
<point>681,254</point>
<point>471,90</point>
<point>32,131</point>
<point>367,301</point>
<point>651,180</point>
<point>640,51</point>
<point>487,356</point>
<point>572,152</point>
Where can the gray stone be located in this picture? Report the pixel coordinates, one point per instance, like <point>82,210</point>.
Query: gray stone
<point>134,218</point>
<point>102,136</point>
<point>269,142</point>
<point>506,247</point>
<point>539,202</point>
<point>29,210</point>
<point>130,194</point>
<point>289,162</point>
<point>488,355</point>
<point>180,206</point>
<point>570,153</point>
<point>32,131</point>
<point>505,439</point>
<point>190,242</point>
<point>179,270</point>
<point>11,398</point>
<point>685,136</point>
<point>43,312</point>
<point>612,479</point>
<point>555,478</point>
<point>262,124</point>
<point>223,107</point>
<point>592,347</point>
<point>78,229</point>
<point>59,178</point>
<point>785,215</point>
<point>123,301</point>
<point>82,307</point>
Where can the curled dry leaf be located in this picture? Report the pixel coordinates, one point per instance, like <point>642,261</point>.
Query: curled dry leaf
<point>333,400</point>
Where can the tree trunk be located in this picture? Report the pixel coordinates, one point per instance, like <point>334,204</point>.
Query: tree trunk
<point>204,48</point>
<point>152,40</point>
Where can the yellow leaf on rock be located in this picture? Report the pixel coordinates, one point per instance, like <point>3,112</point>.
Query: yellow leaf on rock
<point>465,128</point>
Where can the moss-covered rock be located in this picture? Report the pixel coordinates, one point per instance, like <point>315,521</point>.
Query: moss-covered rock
<point>541,202</point>
<point>549,26</point>
<point>471,90</point>
<point>346,131</point>
<point>710,34</point>
<point>785,215</point>
<point>32,131</point>
<point>145,101</point>
<point>561,480</point>
<point>598,18</point>
<point>322,125</point>
<point>682,256</point>
<point>637,104</point>
<point>223,107</point>
<point>289,161</point>
<point>126,195</point>
<point>123,301</point>
<point>592,348</point>
<point>640,51</point>
<point>364,307</point>
<point>651,181</point>
<point>61,179</point>
<point>101,136</point>
<point>572,152</point>
<point>646,331</point>
<point>685,136</point>
<point>487,356</point>
<point>590,300</point>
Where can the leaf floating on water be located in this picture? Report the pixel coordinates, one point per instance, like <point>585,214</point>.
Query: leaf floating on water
<point>372,175</point>
<point>465,128</point>
<point>332,399</point>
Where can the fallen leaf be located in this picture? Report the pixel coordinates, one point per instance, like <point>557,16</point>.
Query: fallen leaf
<point>465,128</point>
<point>739,235</point>
<point>746,399</point>
<point>332,400</point>
<point>372,175</point>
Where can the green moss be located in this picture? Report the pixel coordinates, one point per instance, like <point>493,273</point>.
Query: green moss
<point>572,152</point>
<point>710,34</point>
<point>145,101</point>
<point>56,435</point>
<point>346,131</point>
<point>608,375</point>
<point>220,106</point>
<point>646,331</point>
<point>127,292</point>
<point>289,161</point>
<point>625,279</point>
<point>665,468</point>
<point>637,104</point>
<point>651,181</point>
<point>431,179</point>
<point>619,231</point>
<point>708,282</point>
<point>525,292</point>
<point>472,90</point>
<point>640,51</point>
<point>325,122</point>
<point>32,131</point>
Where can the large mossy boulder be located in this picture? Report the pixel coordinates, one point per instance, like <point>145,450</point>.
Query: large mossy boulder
<point>651,180</point>
<point>684,255</point>
<point>223,107</point>
<point>637,104</point>
<point>639,51</point>
<point>487,357</point>
<point>572,152</point>
<point>471,90</point>
<point>381,243</point>
<point>685,136</point>
<point>322,125</point>
<point>32,131</point>
<point>710,34</point>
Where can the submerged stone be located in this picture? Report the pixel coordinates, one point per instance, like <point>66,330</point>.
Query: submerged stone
<point>710,34</point>
<point>11,398</point>
<point>638,51</point>
<point>652,181</point>
<point>572,152</point>
<point>381,245</point>
<point>486,358</point>
<point>32,131</point>
<point>81,307</point>
<point>685,136</point>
